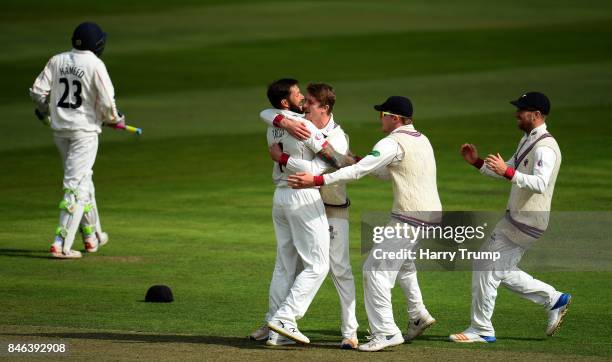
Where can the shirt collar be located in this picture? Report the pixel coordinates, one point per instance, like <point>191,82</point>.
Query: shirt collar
<point>406,127</point>
<point>537,132</point>
<point>329,126</point>
<point>81,51</point>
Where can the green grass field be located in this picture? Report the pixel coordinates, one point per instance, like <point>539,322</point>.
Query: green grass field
<point>188,204</point>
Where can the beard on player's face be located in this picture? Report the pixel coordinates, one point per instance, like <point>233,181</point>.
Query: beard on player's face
<point>295,100</point>
<point>296,107</point>
<point>525,120</point>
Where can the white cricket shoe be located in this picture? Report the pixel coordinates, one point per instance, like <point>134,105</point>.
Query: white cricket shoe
<point>102,238</point>
<point>94,242</point>
<point>57,252</point>
<point>557,313</point>
<point>350,343</point>
<point>288,330</point>
<point>469,336</point>
<point>91,244</point>
<point>380,341</point>
<point>275,339</point>
<point>260,333</point>
<point>418,326</point>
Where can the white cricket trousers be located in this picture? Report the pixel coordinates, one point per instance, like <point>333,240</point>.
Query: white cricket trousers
<point>342,274</point>
<point>379,277</point>
<point>302,235</point>
<point>78,157</point>
<point>488,275</point>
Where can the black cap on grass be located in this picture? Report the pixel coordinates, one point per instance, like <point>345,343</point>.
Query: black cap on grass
<point>533,101</point>
<point>397,105</point>
<point>159,294</point>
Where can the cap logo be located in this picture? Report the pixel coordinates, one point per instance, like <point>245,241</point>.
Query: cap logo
<point>78,42</point>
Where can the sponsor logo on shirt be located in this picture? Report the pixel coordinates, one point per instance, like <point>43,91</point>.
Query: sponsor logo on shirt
<point>374,153</point>
<point>278,133</point>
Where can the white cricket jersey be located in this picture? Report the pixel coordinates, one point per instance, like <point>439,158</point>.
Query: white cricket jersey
<point>305,150</point>
<point>79,93</point>
<point>544,163</point>
<point>536,163</point>
<point>334,134</point>
<point>332,195</point>
<point>413,175</point>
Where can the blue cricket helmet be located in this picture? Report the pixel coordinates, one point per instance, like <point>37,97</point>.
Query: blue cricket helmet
<point>89,36</point>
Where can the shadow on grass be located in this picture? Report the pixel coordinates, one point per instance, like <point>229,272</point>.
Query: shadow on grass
<point>335,335</point>
<point>25,253</point>
<point>236,342</point>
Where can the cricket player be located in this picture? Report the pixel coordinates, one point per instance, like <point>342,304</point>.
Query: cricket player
<point>300,224</point>
<point>318,108</point>
<point>405,157</point>
<point>532,170</point>
<point>75,92</point>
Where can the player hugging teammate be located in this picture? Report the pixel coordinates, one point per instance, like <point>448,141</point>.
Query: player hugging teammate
<point>405,157</point>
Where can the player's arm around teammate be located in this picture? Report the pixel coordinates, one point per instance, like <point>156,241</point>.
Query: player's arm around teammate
<point>410,194</point>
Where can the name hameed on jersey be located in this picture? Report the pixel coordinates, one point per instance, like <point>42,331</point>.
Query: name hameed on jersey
<point>71,69</point>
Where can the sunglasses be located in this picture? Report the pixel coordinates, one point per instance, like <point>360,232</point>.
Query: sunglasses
<point>383,114</point>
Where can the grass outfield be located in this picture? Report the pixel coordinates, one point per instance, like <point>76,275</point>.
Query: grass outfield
<point>188,204</point>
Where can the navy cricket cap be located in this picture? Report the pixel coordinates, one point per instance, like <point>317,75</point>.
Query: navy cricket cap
<point>89,36</point>
<point>533,101</point>
<point>398,105</point>
<point>159,294</point>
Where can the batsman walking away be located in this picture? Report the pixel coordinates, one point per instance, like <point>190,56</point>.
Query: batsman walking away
<point>75,94</point>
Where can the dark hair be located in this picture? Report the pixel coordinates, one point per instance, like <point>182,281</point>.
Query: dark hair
<point>324,93</point>
<point>279,90</point>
